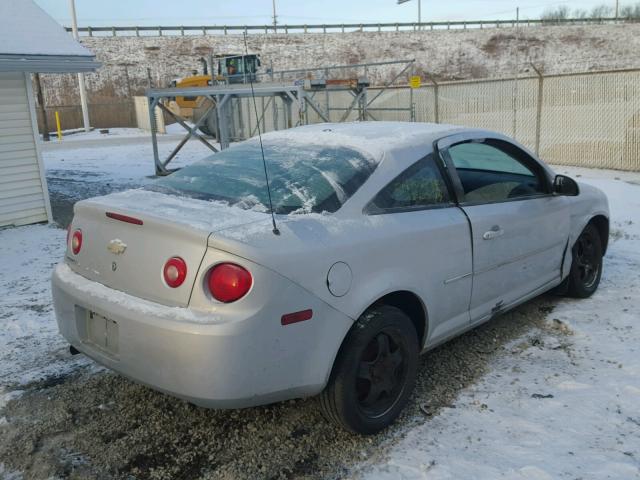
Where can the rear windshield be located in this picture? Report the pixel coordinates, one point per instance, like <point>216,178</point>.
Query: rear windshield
<point>303,178</point>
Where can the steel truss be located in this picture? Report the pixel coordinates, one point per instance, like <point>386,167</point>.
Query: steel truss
<point>298,95</point>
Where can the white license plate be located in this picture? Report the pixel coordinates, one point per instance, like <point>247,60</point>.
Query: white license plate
<point>102,332</point>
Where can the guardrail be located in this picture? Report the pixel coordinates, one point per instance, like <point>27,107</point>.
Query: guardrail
<point>180,30</point>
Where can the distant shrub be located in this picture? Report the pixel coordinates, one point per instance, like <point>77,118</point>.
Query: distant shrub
<point>630,11</point>
<point>554,14</point>
<point>601,11</point>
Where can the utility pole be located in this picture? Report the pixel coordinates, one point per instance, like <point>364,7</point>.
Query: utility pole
<point>83,93</point>
<point>617,8</point>
<point>275,18</point>
<point>516,74</point>
<point>400,2</point>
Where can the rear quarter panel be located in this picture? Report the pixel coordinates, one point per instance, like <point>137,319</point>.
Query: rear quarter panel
<point>414,251</point>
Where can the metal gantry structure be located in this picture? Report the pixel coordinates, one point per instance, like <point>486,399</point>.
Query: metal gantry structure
<point>299,97</point>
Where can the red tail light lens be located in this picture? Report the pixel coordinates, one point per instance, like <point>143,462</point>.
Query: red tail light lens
<point>76,242</point>
<point>229,282</point>
<point>124,218</point>
<point>175,272</point>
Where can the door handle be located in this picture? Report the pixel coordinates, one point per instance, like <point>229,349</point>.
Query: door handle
<point>495,232</point>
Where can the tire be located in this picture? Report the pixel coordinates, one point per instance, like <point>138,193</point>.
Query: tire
<point>204,129</point>
<point>374,373</point>
<point>586,267</point>
<point>210,126</point>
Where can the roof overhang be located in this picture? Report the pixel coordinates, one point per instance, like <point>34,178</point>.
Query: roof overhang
<point>47,63</point>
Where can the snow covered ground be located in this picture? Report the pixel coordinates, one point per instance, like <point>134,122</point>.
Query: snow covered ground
<point>551,408</point>
<point>90,165</point>
<point>30,347</point>
<point>78,134</point>
<point>554,405</point>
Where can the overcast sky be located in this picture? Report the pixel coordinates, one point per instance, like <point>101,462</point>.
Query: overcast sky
<point>211,12</point>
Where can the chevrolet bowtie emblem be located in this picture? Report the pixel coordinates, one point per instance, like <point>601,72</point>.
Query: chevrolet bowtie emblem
<point>117,246</point>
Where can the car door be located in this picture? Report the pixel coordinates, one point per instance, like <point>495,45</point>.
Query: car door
<point>520,230</point>
<point>427,238</point>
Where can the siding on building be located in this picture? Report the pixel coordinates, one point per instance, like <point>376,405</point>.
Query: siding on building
<point>23,190</point>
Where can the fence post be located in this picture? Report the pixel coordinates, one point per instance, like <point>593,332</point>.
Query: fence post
<point>412,105</point>
<point>539,107</point>
<point>41,109</point>
<point>436,100</point>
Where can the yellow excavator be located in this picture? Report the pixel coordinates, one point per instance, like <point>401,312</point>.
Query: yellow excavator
<point>229,69</point>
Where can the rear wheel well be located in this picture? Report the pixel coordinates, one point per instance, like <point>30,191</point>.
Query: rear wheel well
<point>412,306</point>
<point>602,225</point>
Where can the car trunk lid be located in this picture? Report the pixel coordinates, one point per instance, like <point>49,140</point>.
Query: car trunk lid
<point>128,237</point>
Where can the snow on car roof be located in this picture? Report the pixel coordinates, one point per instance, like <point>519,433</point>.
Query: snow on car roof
<point>373,138</point>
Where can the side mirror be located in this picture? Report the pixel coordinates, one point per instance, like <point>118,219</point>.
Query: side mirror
<point>563,185</point>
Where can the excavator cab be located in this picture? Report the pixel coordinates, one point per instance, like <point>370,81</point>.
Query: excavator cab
<point>238,68</point>
<point>227,69</point>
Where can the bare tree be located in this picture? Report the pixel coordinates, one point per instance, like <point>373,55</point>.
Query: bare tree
<point>630,11</point>
<point>555,14</point>
<point>602,11</point>
<point>580,13</point>
<point>563,12</point>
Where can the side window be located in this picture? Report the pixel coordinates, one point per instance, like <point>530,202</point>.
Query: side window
<point>421,185</point>
<point>494,171</point>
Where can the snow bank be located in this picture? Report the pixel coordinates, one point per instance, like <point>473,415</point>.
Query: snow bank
<point>30,346</point>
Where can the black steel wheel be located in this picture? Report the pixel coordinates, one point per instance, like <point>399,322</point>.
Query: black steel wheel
<point>586,268</point>
<point>381,374</point>
<point>374,373</point>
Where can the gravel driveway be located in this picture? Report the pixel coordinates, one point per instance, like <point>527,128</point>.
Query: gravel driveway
<point>100,425</point>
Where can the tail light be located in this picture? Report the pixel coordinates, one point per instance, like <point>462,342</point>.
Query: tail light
<point>229,282</point>
<point>76,242</point>
<point>124,218</point>
<point>174,272</point>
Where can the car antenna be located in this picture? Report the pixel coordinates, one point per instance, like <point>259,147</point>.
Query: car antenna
<point>264,161</point>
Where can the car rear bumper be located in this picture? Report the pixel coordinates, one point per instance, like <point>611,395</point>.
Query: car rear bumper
<point>204,358</point>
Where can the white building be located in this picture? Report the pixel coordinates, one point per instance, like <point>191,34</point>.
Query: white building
<point>30,41</point>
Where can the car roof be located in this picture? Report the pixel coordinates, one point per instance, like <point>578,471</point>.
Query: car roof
<point>373,137</point>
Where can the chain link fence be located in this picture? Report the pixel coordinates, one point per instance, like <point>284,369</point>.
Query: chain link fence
<point>587,119</point>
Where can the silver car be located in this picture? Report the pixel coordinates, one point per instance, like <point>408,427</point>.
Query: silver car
<point>386,240</point>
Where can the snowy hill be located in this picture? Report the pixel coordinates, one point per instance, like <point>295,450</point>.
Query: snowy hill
<point>447,54</point>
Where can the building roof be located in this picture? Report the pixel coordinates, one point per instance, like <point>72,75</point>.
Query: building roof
<point>32,41</point>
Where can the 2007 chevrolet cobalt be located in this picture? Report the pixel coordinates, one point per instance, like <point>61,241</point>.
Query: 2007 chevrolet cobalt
<point>390,239</point>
